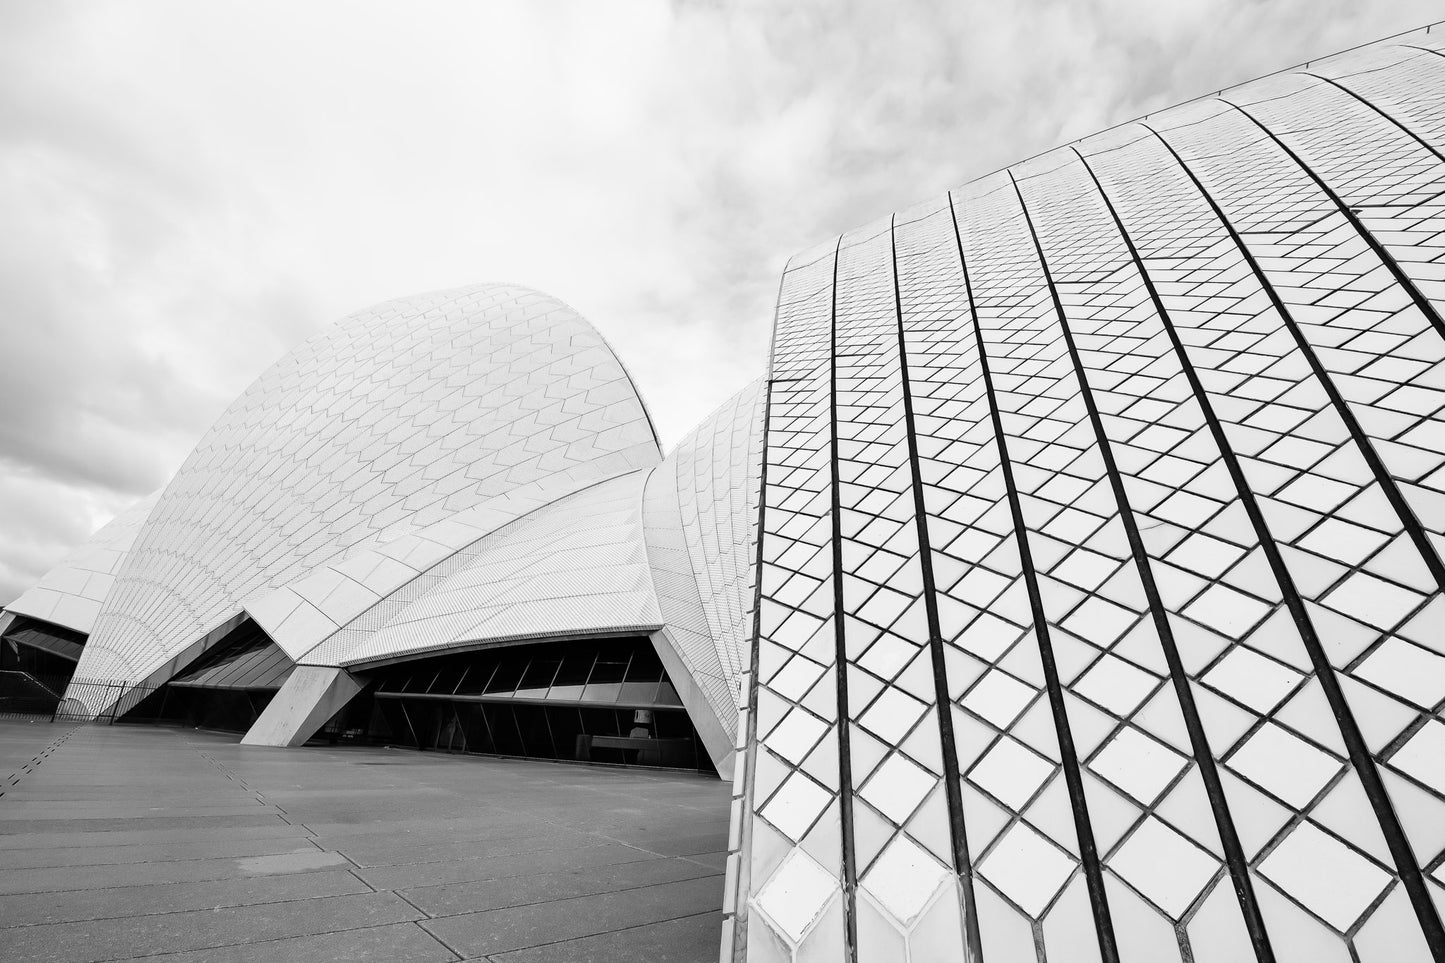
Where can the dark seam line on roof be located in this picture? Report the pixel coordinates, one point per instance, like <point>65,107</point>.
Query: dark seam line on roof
<point>1394,120</point>
<point>1159,616</point>
<point>1412,46</point>
<point>1387,483</point>
<point>962,862</point>
<point>1400,851</point>
<point>845,762</point>
<point>750,745</point>
<point>1401,278</point>
<point>1069,757</point>
<point>1234,855</point>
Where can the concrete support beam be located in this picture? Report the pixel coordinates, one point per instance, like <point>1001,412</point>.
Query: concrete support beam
<point>310,697</point>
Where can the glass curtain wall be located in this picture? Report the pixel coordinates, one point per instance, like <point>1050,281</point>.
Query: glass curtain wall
<point>602,700</point>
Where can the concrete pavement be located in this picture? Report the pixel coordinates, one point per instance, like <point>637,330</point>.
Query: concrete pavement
<point>177,846</point>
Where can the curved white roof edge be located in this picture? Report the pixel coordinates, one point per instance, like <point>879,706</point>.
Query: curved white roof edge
<point>575,566</point>
<point>302,616</point>
<point>700,510</point>
<point>71,594</point>
<point>396,419</point>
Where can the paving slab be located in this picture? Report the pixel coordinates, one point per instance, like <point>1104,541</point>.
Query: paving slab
<point>693,939</point>
<point>111,939</point>
<point>57,839</point>
<point>484,894</point>
<point>519,927</point>
<point>205,848</point>
<point>499,867</point>
<point>181,846</point>
<point>29,909</point>
<point>397,943</point>
<point>57,879</point>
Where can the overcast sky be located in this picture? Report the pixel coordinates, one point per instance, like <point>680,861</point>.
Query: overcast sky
<point>188,189</point>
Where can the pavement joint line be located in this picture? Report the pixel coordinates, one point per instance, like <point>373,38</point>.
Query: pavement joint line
<point>437,939</point>
<point>277,939</point>
<point>540,902</point>
<point>674,831</point>
<point>354,864</point>
<point>138,862</point>
<point>613,839</point>
<point>572,939</point>
<point>37,759</point>
<point>690,859</point>
<point>352,874</point>
<point>402,896</point>
<point>452,858</point>
<point>168,912</point>
<point>131,885</point>
<point>480,879</point>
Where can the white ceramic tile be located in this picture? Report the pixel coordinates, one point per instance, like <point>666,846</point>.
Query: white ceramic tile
<point>1284,764</point>
<point>1027,868</point>
<point>999,698</point>
<point>1252,679</point>
<point>1424,755</point>
<point>795,805</point>
<point>796,895</point>
<point>1168,869</point>
<point>1116,685</point>
<point>905,878</point>
<point>1137,764</point>
<point>897,787</point>
<point>1011,772</point>
<point>1332,880</point>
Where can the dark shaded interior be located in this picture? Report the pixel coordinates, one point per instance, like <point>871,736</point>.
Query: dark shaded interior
<point>593,700</point>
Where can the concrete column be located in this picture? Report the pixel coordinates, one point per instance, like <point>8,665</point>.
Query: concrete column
<point>310,697</point>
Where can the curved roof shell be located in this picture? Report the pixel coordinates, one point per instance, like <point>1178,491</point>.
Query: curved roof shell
<point>71,594</point>
<point>396,419</point>
<point>574,567</point>
<point>1101,564</point>
<point>700,519</point>
<point>666,553</point>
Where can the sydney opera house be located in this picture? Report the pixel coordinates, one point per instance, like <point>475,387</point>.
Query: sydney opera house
<point>1068,588</point>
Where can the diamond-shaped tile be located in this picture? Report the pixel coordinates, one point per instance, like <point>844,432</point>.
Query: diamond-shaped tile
<point>897,788</point>
<point>1228,612</point>
<point>1250,678</point>
<point>797,894</point>
<point>1334,881</point>
<point>999,698</point>
<point>1424,755</point>
<point>1027,868</point>
<point>1164,866</point>
<point>1011,773</point>
<point>799,731</point>
<point>905,878</point>
<point>1137,764</point>
<point>1373,600</point>
<point>1408,671</point>
<point>1284,764</point>
<point>892,714</point>
<point>796,805</point>
<point>1116,685</point>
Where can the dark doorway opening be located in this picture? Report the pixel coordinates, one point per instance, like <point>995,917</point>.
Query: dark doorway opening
<point>593,700</point>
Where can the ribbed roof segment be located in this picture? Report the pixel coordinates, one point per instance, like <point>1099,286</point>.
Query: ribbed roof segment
<point>1101,558</point>
<point>71,594</point>
<point>397,418</point>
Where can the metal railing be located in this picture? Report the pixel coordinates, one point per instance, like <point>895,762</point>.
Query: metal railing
<point>28,696</point>
<point>23,694</point>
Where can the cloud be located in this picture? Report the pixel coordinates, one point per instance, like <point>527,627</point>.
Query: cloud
<point>190,190</point>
